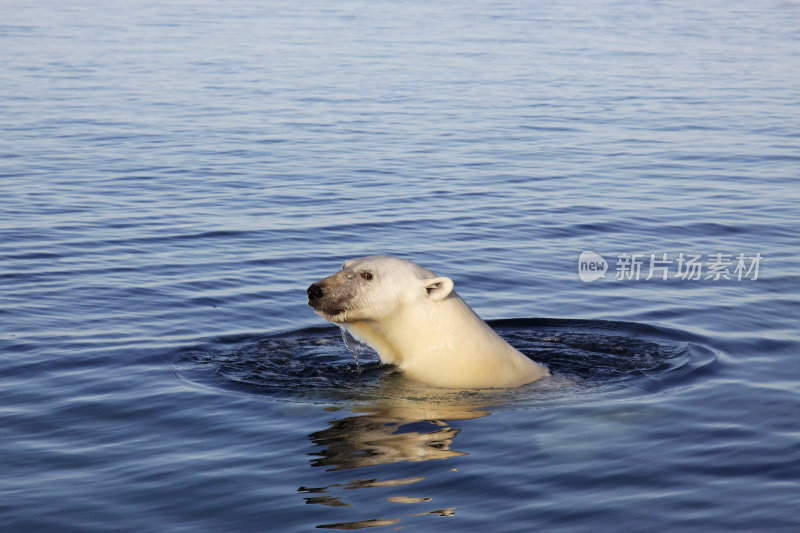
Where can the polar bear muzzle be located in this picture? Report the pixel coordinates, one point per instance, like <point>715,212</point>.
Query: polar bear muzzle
<point>319,298</point>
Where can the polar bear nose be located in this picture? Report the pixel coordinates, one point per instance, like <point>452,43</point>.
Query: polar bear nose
<point>314,291</point>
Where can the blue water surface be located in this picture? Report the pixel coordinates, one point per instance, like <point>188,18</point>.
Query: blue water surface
<point>175,174</point>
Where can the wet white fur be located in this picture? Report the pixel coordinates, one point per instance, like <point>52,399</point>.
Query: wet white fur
<point>417,322</point>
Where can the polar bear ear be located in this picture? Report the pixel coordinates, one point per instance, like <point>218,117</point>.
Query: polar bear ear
<point>439,288</point>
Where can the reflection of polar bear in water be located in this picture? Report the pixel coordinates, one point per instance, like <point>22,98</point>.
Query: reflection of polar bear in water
<point>416,321</point>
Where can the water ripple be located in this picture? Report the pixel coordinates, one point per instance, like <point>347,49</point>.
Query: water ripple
<point>589,358</point>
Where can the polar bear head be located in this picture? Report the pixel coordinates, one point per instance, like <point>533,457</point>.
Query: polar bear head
<point>372,288</point>
<point>416,321</point>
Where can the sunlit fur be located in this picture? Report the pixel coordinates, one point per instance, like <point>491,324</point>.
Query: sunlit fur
<point>415,321</point>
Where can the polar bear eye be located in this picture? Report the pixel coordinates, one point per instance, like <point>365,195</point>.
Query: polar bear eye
<point>366,275</point>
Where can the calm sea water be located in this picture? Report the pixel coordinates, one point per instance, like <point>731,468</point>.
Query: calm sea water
<point>175,174</point>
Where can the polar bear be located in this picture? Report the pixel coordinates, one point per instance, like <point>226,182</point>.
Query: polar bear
<point>416,321</point>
